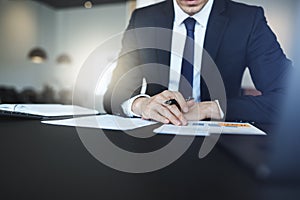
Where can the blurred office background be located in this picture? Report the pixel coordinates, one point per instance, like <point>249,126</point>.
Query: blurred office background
<point>69,30</point>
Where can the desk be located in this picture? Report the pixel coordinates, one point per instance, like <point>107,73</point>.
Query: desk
<point>40,161</point>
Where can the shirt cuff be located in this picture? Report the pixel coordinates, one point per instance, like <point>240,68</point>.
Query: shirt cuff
<point>127,105</point>
<point>220,109</point>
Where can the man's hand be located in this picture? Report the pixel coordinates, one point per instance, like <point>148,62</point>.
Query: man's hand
<point>203,110</point>
<point>155,108</point>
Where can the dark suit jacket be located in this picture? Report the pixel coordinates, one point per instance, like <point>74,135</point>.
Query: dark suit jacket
<point>237,37</point>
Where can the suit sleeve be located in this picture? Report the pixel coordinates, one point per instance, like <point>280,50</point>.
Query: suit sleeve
<point>269,69</point>
<point>126,77</point>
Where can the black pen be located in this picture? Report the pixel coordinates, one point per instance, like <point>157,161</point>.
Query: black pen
<point>174,102</point>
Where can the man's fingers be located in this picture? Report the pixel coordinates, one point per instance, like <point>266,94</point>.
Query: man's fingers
<point>176,112</point>
<point>178,97</point>
<point>155,108</point>
<point>160,113</point>
<point>190,103</point>
<point>169,115</point>
<point>203,110</point>
<point>181,101</point>
<point>157,117</point>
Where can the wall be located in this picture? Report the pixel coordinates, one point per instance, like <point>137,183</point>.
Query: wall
<point>77,32</point>
<point>24,25</point>
<point>143,3</point>
<point>80,31</point>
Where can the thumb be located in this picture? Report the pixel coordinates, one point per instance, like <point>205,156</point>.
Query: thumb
<point>190,103</point>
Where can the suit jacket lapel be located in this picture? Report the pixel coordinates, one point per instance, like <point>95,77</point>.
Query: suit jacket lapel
<point>163,41</point>
<point>217,24</point>
<point>163,37</point>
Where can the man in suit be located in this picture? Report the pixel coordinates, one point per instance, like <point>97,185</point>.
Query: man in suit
<point>235,36</point>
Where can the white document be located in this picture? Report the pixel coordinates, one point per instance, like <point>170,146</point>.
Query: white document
<point>48,110</point>
<point>190,129</point>
<point>111,122</point>
<point>204,128</point>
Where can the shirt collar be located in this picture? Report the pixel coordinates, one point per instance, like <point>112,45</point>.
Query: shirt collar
<point>201,17</point>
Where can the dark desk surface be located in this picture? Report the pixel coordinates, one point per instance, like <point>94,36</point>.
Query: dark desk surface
<point>41,161</point>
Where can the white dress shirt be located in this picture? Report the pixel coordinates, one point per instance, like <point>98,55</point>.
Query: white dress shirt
<point>178,42</point>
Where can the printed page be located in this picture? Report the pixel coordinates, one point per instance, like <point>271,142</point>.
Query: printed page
<point>110,122</point>
<point>203,128</point>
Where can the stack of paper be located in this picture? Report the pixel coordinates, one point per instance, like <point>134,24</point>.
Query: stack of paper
<point>45,110</point>
<point>111,122</point>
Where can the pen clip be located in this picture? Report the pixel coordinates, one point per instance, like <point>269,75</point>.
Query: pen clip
<point>189,99</point>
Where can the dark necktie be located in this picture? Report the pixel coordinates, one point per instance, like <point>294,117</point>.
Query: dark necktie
<point>187,68</point>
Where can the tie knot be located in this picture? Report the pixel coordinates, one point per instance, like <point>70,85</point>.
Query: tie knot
<point>190,24</point>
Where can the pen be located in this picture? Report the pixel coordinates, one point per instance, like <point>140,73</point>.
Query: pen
<point>174,102</point>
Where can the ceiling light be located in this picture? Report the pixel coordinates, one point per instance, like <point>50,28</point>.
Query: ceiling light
<point>64,59</point>
<point>88,4</point>
<point>37,55</point>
